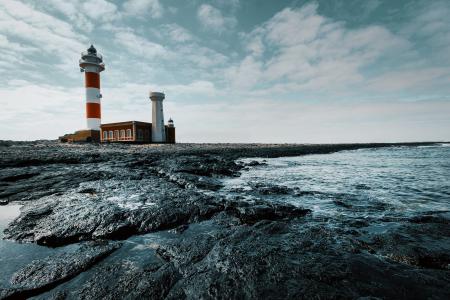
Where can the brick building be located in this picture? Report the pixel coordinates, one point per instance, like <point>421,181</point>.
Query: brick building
<point>133,131</point>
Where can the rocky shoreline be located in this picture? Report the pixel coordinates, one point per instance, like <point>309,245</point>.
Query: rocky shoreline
<point>148,222</point>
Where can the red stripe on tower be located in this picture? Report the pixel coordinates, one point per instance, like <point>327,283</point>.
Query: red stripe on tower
<point>92,80</point>
<point>93,110</point>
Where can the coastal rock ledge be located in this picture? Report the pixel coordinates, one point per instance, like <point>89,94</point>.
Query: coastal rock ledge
<point>147,222</point>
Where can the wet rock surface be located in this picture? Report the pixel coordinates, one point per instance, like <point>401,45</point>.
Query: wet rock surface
<point>183,240</point>
<point>42,275</point>
<point>424,242</point>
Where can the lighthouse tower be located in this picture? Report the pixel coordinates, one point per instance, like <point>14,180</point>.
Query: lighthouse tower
<point>170,138</point>
<point>158,128</point>
<point>92,64</point>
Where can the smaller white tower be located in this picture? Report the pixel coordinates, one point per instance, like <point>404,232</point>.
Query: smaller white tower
<point>158,128</point>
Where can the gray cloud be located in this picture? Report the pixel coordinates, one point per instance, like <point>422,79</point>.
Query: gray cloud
<point>142,8</point>
<point>213,19</point>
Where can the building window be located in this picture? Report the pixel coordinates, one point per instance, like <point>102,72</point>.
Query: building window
<point>111,135</point>
<point>116,134</point>
<point>140,134</point>
<point>129,133</point>
<point>105,135</point>
<point>122,134</point>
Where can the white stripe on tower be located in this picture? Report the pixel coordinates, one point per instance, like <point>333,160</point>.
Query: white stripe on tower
<point>92,95</point>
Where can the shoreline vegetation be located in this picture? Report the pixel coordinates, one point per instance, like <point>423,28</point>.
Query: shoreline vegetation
<point>147,222</point>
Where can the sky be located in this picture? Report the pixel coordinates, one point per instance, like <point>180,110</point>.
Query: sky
<point>232,70</point>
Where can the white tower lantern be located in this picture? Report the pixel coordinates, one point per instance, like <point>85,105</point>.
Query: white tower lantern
<point>158,128</point>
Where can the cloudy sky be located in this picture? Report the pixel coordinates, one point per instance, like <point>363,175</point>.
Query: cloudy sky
<point>232,70</point>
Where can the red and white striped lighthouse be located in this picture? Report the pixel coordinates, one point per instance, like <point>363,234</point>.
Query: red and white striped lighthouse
<point>91,63</point>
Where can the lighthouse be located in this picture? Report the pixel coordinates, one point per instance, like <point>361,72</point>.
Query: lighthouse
<point>91,63</point>
<point>158,127</point>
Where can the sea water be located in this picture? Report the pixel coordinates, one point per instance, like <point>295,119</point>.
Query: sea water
<point>375,184</point>
<point>14,255</point>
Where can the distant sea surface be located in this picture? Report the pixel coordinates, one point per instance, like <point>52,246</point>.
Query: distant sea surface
<point>375,184</point>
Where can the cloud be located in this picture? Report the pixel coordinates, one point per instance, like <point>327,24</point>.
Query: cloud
<point>100,10</point>
<point>431,27</point>
<point>191,56</point>
<point>301,50</point>
<point>245,75</point>
<point>71,10</point>
<point>212,18</point>
<point>194,89</point>
<point>7,45</point>
<point>176,33</point>
<point>198,57</point>
<point>55,38</point>
<point>408,80</point>
<point>142,8</point>
<point>140,46</point>
<point>14,58</point>
<point>83,14</point>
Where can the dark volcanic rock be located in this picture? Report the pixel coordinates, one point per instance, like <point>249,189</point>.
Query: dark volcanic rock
<point>255,163</point>
<point>48,182</point>
<point>56,221</point>
<point>276,260</point>
<point>206,165</point>
<point>250,213</point>
<point>127,281</point>
<point>197,171</point>
<point>61,220</point>
<point>15,178</point>
<point>424,243</point>
<point>42,275</point>
<point>220,259</point>
<point>272,189</point>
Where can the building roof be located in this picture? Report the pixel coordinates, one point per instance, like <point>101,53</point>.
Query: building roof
<point>126,123</point>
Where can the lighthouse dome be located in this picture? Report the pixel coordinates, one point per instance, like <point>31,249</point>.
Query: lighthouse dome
<point>92,50</point>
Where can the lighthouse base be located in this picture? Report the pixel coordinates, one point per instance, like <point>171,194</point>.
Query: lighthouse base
<point>81,136</point>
